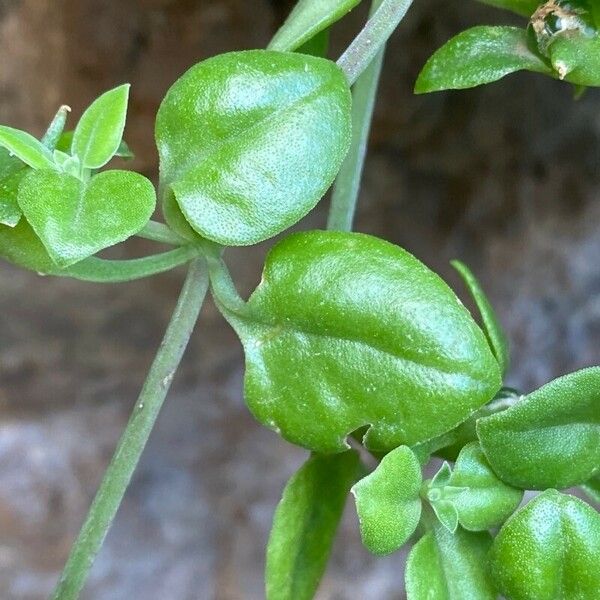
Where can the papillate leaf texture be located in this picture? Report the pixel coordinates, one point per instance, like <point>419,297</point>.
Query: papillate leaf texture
<point>477,56</point>
<point>491,326</point>
<point>347,330</point>
<point>250,141</point>
<point>305,523</point>
<point>26,148</point>
<point>388,502</point>
<point>487,501</point>
<point>449,566</point>
<point>99,132</point>
<point>76,219</point>
<point>549,550</point>
<point>551,438</point>
<point>307,19</point>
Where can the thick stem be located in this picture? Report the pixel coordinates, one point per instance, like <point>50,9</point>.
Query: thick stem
<point>347,184</point>
<point>374,35</point>
<point>133,440</point>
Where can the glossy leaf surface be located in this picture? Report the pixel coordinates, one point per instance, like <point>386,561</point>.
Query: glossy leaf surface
<point>305,523</point>
<point>250,141</point>
<point>25,147</point>
<point>577,59</point>
<point>100,130</point>
<point>307,19</point>
<point>486,502</point>
<point>449,566</point>
<point>388,502</point>
<point>479,55</point>
<point>74,219</point>
<point>11,172</point>
<point>549,550</point>
<point>522,7</point>
<point>491,326</point>
<point>551,438</point>
<point>358,332</point>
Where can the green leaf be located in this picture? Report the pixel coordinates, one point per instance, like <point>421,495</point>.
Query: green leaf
<point>250,141</point>
<point>551,438</point>
<point>307,19</point>
<point>524,8</point>
<point>305,523</point>
<point>12,171</point>
<point>316,46</point>
<point>100,130</point>
<point>388,502</point>
<point>74,219</point>
<point>359,332</point>
<point>449,566</point>
<point>576,59</point>
<point>477,56</point>
<point>549,549</point>
<point>592,488</point>
<point>486,502</point>
<point>491,326</point>
<point>25,147</point>
<point>66,141</point>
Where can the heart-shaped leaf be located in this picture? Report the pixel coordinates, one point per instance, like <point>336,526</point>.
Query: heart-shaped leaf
<point>486,501</point>
<point>250,141</point>
<point>522,7</point>
<point>551,438</point>
<point>388,502</point>
<point>305,523</point>
<point>549,549</point>
<point>449,566</point>
<point>347,330</point>
<point>491,326</point>
<point>307,19</point>
<point>76,219</point>
<point>100,130</point>
<point>479,55</point>
<point>25,147</point>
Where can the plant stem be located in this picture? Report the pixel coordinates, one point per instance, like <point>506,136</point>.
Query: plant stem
<point>135,436</point>
<point>374,35</point>
<point>347,184</point>
<point>158,232</point>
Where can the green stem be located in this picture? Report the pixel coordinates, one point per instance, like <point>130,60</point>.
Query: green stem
<point>158,232</point>
<point>347,184</point>
<point>100,270</point>
<point>135,436</point>
<point>224,290</point>
<point>368,42</point>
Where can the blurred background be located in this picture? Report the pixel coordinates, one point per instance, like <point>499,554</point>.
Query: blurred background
<point>504,177</point>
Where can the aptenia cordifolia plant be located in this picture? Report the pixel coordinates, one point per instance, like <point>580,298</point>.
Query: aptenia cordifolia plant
<point>352,345</point>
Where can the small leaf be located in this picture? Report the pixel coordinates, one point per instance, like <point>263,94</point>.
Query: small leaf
<point>25,147</point>
<point>446,513</point>
<point>307,19</point>
<point>549,549</point>
<point>250,141</point>
<point>524,8</point>
<point>66,141</point>
<point>486,502</point>
<point>449,566</point>
<point>359,332</point>
<point>491,326</point>
<point>305,523</point>
<point>477,56</point>
<point>592,488</point>
<point>12,171</point>
<point>74,219</point>
<point>20,246</point>
<point>551,438</point>
<point>100,130</point>
<point>388,502</point>
<point>577,59</point>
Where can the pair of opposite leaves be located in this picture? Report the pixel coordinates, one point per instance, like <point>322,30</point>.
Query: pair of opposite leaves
<point>562,41</point>
<point>546,550</point>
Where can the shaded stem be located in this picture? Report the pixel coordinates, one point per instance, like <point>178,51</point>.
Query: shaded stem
<point>135,436</point>
<point>159,232</point>
<point>368,42</point>
<point>100,270</point>
<point>347,183</point>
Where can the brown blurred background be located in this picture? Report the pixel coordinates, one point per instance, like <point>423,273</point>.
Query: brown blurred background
<point>505,177</point>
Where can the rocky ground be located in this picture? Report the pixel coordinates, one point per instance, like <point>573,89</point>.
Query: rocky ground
<point>504,177</point>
